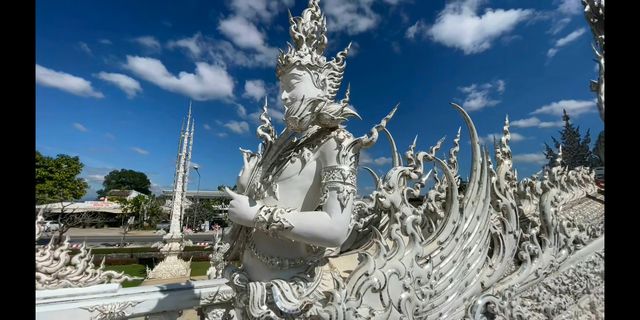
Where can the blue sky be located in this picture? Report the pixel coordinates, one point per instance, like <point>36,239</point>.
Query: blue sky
<point>114,78</point>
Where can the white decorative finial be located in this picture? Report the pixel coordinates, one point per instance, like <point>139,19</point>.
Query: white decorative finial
<point>308,33</point>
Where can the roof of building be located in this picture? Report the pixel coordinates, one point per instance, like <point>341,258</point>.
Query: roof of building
<point>86,206</point>
<point>123,193</point>
<point>202,194</point>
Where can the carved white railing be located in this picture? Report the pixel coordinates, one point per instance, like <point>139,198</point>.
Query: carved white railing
<point>111,301</point>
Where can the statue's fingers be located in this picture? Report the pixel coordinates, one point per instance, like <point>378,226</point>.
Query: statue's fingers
<point>231,193</point>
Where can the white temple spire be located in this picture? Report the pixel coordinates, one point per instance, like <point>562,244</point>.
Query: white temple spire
<point>172,266</point>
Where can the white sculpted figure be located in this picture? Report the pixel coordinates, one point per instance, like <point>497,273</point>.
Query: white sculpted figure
<point>295,196</point>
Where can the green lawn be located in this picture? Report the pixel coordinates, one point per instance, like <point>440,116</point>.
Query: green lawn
<point>198,268</point>
<point>134,270</point>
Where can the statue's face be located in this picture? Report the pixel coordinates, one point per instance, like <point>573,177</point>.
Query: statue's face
<point>295,85</point>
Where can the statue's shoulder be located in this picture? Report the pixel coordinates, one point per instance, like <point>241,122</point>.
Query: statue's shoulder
<point>340,148</point>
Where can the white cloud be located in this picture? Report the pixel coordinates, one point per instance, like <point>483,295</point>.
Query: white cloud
<point>570,7</point>
<point>393,2</point>
<point>221,134</point>
<point>66,82</point>
<point>192,45</point>
<point>245,35</point>
<point>242,111</point>
<point>559,25</point>
<point>488,139</point>
<point>354,49</point>
<point>206,127</point>
<point>535,122</point>
<point>140,151</point>
<point>366,159</point>
<point>248,45</point>
<point>562,15</point>
<point>127,84</point>
<point>156,189</point>
<point>238,127</point>
<point>148,42</point>
<point>535,158</point>
<point>209,81</point>
<point>84,47</point>
<point>105,41</point>
<point>109,136</point>
<point>508,39</point>
<point>259,9</point>
<point>573,36</point>
<point>573,107</point>
<point>382,160</point>
<point>225,51</point>
<point>242,33</point>
<point>80,127</point>
<point>459,25</point>
<point>352,17</point>
<point>478,95</point>
<point>570,37</point>
<point>551,124</point>
<point>95,178</point>
<point>419,28</point>
<point>254,89</point>
<point>500,86</point>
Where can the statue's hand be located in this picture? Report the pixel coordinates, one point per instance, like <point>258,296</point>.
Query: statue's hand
<point>249,162</point>
<point>242,210</point>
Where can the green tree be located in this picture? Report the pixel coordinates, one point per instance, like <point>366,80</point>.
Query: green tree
<point>146,210</point>
<point>204,210</point>
<point>575,150</point>
<point>598,150</point>
<point>56,179</point>
<point>125,179</point>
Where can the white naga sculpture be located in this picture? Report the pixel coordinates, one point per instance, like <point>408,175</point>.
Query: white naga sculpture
<point>454,255</point>
<point>57,267</point>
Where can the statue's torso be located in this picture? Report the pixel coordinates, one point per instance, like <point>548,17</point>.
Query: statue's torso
<point>292,181</point>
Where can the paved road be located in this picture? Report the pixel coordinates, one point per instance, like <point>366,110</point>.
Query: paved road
<point>97,240</point>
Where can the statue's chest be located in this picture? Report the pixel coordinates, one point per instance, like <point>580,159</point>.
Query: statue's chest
<point>296,181</point>
<point>290,178</point>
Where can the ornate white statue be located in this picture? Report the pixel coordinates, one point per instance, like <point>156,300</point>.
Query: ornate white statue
<point>457,254</point>
<point>296,195</point>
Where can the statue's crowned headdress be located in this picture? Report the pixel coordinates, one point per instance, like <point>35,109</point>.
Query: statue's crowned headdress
<point>308,33</point>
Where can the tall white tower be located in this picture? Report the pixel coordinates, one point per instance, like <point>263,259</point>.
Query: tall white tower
<point>173,266</point>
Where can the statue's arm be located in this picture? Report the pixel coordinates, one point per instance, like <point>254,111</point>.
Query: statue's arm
<point>327,228</point>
